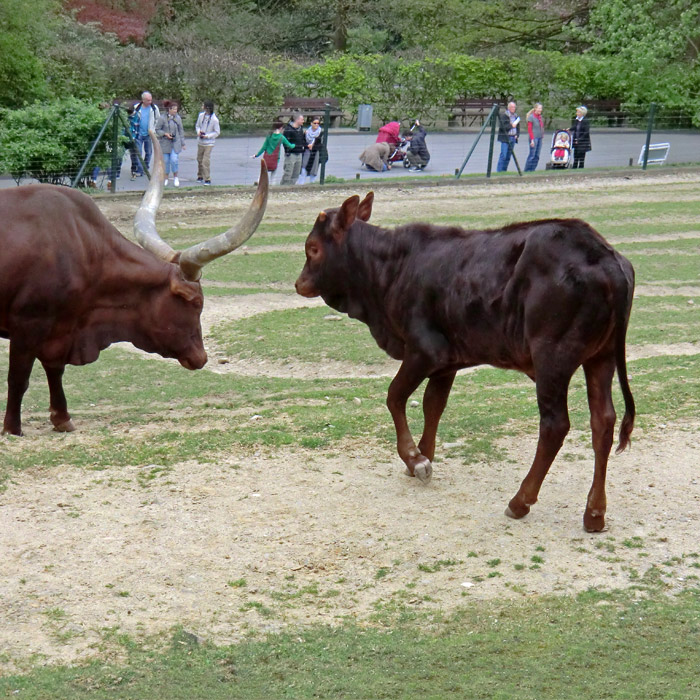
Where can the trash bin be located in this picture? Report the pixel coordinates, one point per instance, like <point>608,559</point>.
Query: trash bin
<point>364,118</point>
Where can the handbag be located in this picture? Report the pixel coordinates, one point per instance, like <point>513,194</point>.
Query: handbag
<point>272,159</point>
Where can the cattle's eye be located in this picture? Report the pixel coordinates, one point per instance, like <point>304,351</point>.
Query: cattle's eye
<point>313,251</point>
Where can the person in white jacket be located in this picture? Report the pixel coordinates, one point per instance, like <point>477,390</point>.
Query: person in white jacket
<point>207,128</point>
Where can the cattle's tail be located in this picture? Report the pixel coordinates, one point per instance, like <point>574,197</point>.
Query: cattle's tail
<point>624,307</point>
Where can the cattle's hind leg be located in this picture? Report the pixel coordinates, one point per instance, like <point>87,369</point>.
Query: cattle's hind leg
<point>58,405</point>
<point>552,390</point>
<point>599,376</point>
<point>406,381</point>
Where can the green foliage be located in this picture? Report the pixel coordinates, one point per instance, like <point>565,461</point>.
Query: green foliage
<point>49,141</point>
<point>24,27</point>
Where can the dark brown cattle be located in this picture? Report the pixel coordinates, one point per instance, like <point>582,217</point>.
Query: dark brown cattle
<point>71,284</point>
<point>544,298</point>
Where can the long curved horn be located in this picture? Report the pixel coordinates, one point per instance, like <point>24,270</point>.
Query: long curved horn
<point>197,256</point>
<point>145,219</point>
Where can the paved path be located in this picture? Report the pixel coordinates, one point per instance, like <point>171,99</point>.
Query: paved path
<point>232,163</point>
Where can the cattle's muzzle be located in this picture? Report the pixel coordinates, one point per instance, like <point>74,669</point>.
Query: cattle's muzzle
<point>305,287</point>
<point>194,361</point>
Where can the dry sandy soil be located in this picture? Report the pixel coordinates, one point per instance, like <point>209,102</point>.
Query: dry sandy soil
<point>263,540</point>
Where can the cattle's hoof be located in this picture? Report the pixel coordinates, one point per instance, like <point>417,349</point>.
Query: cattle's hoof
<point>18,433</point>
<point>423,470</point>
<point>516,511</point>
<point>594,523</point>
<point>67,427</point>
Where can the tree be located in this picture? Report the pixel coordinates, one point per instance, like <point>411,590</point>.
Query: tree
<point>644,30</point>
<point>25,28</point>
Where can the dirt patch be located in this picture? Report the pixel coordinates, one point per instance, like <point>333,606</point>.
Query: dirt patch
<point>262,540</point>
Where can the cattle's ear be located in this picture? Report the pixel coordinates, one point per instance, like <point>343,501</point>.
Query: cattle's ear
<point>364,211</point>
<point>345,218</point>
<point>187,290</point>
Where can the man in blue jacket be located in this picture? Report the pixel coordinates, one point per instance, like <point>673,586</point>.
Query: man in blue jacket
<point>145,114</point>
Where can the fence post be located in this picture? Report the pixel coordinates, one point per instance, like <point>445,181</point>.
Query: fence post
<point>487,121</point>
<point>81,170</point>
<point>324,141</point>
<point>650,127</point>
<point>494,121</point>
<point>116,160</point>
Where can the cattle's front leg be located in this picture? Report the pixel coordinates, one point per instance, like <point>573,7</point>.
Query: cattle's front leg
<point>434,402</point>
<point>21,364</point>
<point>406,381</point>
<point>58,405</point>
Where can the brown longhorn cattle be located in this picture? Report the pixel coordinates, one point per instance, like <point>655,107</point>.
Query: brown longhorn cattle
<point>71,284</point>
<point>543,297</point>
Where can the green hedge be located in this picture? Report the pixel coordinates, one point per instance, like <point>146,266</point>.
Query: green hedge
<point>249,91</point>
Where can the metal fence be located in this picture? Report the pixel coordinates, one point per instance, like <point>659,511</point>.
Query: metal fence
<point>619,137</point>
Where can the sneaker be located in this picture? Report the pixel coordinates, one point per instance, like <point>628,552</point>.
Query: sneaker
<point>207,182</point>
<point>176,182</point>
<point>133,176</point>
<point>200,181</point>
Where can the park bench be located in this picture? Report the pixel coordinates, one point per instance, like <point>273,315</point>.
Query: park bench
<point>469,111</point>
<point>311,106</point>
<point>606,109</point>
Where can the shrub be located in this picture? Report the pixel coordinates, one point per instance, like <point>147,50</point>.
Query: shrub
<point>50,141</point>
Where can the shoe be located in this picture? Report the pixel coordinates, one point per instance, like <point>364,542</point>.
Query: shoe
<point>207,182</point>
<point>413,170</point>
<point>176,182</point>
<point>200,181</point>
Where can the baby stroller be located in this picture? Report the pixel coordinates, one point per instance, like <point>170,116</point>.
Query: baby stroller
<point>560,155</point>
<point>398,154</point>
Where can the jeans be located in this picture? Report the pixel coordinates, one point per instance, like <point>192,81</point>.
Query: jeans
<point>534,156</point>
<point>134,159</point>
<point>147,151</point>
<point>506,151</point>
<point>171,161</point>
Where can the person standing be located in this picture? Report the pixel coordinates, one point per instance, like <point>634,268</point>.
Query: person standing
<point>535,131</point>
<point>146,116</point>
<point>508,134</point>
<point>270,150</point>
<point>171,135</point>
<point>294,133</point>
<point>311,151</point>
<point>131,135</point>
<point>208,130</point>
<point>580,136</point>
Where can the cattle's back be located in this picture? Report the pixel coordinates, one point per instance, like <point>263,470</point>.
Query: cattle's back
<point>53,242</point>
<point>467,294</point>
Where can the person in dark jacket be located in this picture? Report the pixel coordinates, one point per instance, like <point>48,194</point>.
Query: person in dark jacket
<point>417,154</point>
<point>508,134</point>
<point>580,136</point>
<point>294,133</point>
